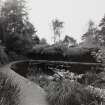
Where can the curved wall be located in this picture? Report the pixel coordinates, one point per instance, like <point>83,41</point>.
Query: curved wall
<point>23,67</point>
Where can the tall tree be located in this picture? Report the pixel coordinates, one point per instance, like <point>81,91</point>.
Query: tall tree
<point>90,37</point>
<point>101,35</point>
<point>57,28</point>
<point>15,26</point>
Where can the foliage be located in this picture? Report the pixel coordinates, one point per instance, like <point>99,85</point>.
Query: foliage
<point>100,55</point>
<point>88,78</point>
<point>102,31</point>
<point>95,35</point>
<point>13,56</point>
<point>61,52</point>
<point>99,40</point>
<point>15,27</point>
<point>39,48</point>
<point>57,26</point>
<point>67,91</point>
<point>9,92</point>
<point>90,37</point>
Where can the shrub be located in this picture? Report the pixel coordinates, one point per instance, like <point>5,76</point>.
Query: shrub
<point>100,55</point>
<point>61,52</point>
<point>68,92</point>
<point>9,92</point>
<point>39,48</point>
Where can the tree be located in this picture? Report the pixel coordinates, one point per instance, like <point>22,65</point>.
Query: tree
<point>69,41</point>
<point>101,35</point>
<point>57,27</point>
<point>90,31</point>
<point>15,26</point>
<point>90,37</point>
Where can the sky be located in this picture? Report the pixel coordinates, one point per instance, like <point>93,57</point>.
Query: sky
<point>74,13</point>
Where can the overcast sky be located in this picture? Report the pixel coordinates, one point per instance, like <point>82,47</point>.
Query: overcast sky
<point>75,14</point>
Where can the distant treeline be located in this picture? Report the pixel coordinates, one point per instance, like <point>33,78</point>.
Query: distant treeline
<point>56,52</point>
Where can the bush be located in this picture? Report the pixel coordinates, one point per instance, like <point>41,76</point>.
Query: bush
<point>68,92</point>
<point>9,92</point>
<point>61,52</point>
<point>39,48</point>
<point>100,55</point>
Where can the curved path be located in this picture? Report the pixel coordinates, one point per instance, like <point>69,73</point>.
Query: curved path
<point>31,94</point>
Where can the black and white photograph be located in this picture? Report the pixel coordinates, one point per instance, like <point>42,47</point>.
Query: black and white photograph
<point>52,52</point>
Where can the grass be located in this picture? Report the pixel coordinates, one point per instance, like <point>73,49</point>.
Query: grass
<point>9,92</point>
<point>63,93</point>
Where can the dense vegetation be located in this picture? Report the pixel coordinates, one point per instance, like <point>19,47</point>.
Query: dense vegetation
<point>9,92</point>
<point>68,88</point>
<point>62,52</point>
<point>18,40</point>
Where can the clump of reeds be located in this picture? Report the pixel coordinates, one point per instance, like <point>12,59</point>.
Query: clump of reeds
<point>9,92</point>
